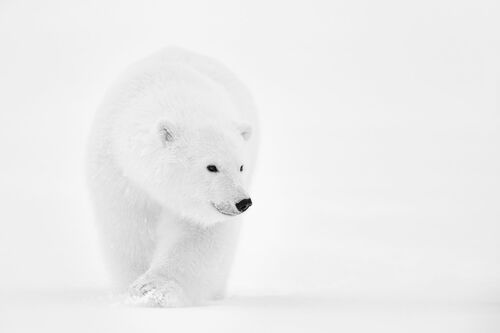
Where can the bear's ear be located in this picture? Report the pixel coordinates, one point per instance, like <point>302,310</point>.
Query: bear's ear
<point>166,131</point>
<point>245,131</point>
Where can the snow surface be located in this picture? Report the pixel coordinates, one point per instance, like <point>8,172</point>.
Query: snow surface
<point>95,311</point>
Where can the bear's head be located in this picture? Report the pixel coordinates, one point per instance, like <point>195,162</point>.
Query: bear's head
<point>200,174</point>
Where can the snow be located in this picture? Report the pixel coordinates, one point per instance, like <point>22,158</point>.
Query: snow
<point>96,311</point>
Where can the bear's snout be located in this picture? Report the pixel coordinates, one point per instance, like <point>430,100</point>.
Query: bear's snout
<point>244,204</point>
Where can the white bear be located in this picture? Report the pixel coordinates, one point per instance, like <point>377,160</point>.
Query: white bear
<point>170,159</point>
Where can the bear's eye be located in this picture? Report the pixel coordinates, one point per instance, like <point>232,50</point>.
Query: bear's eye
<point>212,168</point>
<point>241,168</point>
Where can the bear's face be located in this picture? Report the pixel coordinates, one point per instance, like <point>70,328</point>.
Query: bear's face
<point>198,174</point>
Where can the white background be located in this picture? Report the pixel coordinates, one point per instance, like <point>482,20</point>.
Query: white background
<point>379,172</point>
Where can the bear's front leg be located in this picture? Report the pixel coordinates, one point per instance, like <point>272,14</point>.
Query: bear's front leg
<point>158,286</point>
<point>190,265</point>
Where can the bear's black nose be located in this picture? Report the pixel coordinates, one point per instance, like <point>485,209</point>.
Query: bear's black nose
<point>244,204</point>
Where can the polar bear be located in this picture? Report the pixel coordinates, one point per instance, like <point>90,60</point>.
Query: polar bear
<point>170,159</point>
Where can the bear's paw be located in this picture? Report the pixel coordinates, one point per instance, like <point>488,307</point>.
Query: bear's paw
<point>157,292</point>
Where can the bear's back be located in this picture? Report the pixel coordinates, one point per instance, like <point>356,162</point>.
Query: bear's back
<point>183,87</point>
<point>214,71</point>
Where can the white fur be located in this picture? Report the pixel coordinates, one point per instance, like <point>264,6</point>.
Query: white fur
<point>160,125</point>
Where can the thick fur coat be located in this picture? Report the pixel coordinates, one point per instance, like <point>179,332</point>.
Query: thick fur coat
<point>170,159</point>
